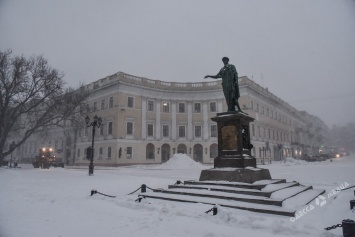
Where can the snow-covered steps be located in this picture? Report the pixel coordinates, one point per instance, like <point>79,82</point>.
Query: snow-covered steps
<point>247,189</point>
<point>266,196</point>
<point>256,185</point>
<point>220,195</point>
<point>269,209</point>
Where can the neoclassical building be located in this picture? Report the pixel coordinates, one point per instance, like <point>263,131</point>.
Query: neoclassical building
<point>147,121</point>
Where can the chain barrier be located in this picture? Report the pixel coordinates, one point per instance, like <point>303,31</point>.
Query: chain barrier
<point>348,227</point>
<point>94,191</point>
<point>214,210</point>
<point>143,189</point>
<point>333,227</point>
<point>134,191</point>
<point>347,188</point>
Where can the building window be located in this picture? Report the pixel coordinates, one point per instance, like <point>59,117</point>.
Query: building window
<point>259,131</point>
<point>111,102</point>
<point>150,130</point>
<point>262,110</point>
<point>181,131</point>
<point>181,107</point>
<point>165,130</point>
<point>101,131</point>
<point>150,105</point>
<point>129,152</point>
<point>109,152</point>
<point>269,134</point>
<point>109,130</point>
<point>252,105</point>
<point>78,153</point>
<point>166,108</point>
<point>264,133</point>
<point>213,107</point>
<point>102,104</point>
<point>253,130</point>
<point>197,107</point>
<point>257,107</point>
<point>150,151</point>
<point>95,106</point>
<point>129,128</point>
<point>213,130</point>
<point>198,132</point>
<point>130,102</point>
<point>267,112</point>
<point>101,151</point>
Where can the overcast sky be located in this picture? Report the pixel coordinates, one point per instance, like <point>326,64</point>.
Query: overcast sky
<point>303,51</point>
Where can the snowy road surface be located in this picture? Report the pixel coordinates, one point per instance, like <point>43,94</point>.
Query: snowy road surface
<point>57,202</point>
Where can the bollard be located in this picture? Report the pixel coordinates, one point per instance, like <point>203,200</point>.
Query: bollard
<point>143,188</point>
<point>214,210</point>
<point>352,204</point>
<point>348,228</point>
<point>93,192</point>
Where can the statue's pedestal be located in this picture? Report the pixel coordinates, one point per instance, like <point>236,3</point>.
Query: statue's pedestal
<point>247,175</point>
<point>234,161</point>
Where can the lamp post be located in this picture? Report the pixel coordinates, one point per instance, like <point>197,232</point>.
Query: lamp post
<point>96,123</point>
<point>12,146</point>
<point>279,147</point>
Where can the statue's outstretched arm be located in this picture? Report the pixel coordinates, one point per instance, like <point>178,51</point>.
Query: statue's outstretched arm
<point>214,77</point>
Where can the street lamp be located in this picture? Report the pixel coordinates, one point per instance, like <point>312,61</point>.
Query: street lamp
<point>279,147</point>
<point>96,123</point>
<point>12,146</point>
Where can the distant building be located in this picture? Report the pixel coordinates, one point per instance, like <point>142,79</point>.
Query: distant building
<point>147,121</point>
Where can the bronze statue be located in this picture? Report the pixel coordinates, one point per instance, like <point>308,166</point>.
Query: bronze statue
<point>230,86</point>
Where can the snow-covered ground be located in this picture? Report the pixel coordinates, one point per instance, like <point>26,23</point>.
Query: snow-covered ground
<point>57,202</point>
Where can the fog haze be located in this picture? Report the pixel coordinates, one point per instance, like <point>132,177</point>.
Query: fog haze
<point>301,50</point>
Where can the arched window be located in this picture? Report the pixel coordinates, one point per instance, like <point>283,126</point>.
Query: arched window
<point>165,152</point>
<point>182,149</point>
<point>198,152</point>
<point>150,151</point>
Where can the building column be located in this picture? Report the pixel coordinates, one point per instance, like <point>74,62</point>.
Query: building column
<point>144,118</point>
<point>173,121</point>
<point>205,120</point>
<point>189,121</point>
<point>220,106</point>
<point>157,120</point>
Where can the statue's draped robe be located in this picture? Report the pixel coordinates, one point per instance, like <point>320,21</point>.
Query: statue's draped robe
<point>230,86</point>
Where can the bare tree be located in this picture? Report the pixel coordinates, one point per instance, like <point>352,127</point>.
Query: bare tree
<point>32,97</point>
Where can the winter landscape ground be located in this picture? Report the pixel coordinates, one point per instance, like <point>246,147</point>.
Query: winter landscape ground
<point>57,202</point>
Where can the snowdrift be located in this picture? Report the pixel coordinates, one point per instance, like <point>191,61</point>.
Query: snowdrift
<point>181,161</point>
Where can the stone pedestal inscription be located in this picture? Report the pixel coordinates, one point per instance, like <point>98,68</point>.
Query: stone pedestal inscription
<point>229,138</point>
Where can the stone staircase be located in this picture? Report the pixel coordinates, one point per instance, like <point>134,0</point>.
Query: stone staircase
<point>275,196</point>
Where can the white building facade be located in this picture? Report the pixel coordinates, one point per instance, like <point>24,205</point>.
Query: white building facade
<point>147,121</point>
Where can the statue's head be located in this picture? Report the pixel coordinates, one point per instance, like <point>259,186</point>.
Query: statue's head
<point>225,60</point>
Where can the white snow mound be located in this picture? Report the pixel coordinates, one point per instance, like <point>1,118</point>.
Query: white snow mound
<point>181,161</point>
<point>293,161</point>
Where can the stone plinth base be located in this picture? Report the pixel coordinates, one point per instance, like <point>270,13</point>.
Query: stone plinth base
<point>247,175</point>
<point>234,162</point>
